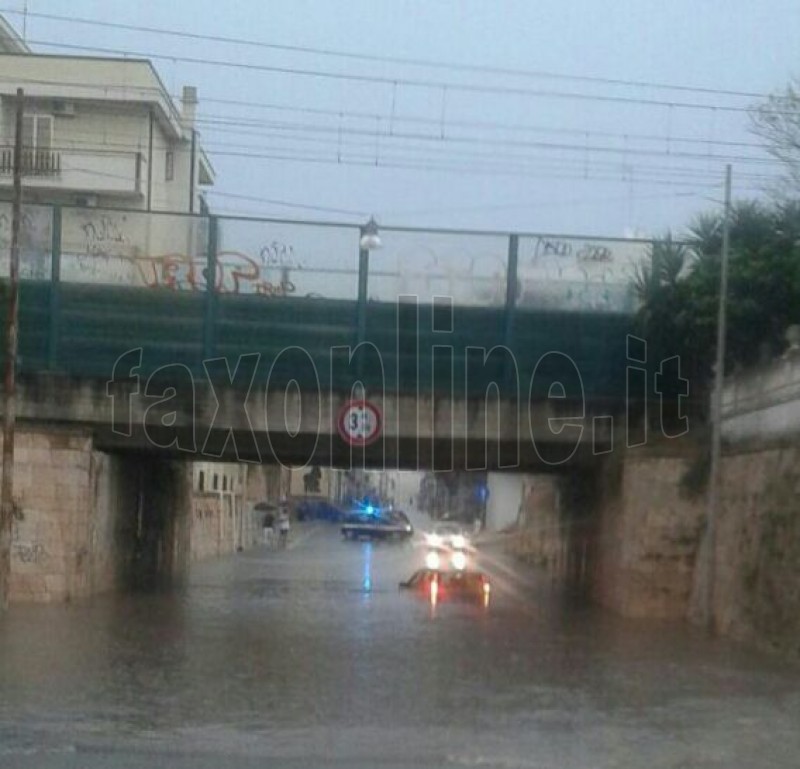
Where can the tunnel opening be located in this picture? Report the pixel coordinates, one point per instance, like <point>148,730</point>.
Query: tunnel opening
<point>151,532</point>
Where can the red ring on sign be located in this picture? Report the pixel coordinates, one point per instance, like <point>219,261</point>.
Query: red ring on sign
<point>357,441</point>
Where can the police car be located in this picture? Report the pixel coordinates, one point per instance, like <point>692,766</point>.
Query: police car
<point>374,524</point>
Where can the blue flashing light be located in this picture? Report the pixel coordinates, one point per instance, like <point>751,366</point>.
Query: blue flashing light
<point>368,508</point>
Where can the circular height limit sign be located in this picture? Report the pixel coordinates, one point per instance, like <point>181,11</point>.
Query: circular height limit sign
<point>359,423</point>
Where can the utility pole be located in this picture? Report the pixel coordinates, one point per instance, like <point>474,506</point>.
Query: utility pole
<point>9,405</point>
<point>716,410</point>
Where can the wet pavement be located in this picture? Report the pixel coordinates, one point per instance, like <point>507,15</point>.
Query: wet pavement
<point>313,657</point>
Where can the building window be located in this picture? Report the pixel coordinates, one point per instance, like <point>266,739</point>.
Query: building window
<point>224,482</point>
<point>169,166</point>
<point>201,481</point>
<point>216,481</point>
<point>37,132</point>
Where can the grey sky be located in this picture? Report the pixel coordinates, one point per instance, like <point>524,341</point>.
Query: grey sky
<point>601,182</point>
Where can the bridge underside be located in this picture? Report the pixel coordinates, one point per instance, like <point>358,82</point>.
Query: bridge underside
<point>297,428</point>
<point>403,453</point>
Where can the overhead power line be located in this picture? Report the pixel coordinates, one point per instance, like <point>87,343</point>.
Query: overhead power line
<point>520,143</point>
<point>396,60</point>
<point>386,119</point>
<point>438,85</point>
<point>288,204</point>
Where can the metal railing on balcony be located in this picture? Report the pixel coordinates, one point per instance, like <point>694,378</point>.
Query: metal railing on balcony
<point>34,162</point>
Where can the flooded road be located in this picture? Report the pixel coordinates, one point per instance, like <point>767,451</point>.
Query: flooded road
<point>313,657</point>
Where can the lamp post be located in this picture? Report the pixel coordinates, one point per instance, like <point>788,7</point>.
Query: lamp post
<point>716,410</point>
<point>370,237</point>
<point>369,241</point>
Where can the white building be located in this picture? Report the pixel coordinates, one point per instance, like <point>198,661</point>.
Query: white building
<point>103,138</point>
<point>100,132</point>
<point>10,40</point>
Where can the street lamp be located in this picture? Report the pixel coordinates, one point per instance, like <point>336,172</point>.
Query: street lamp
<point>370,238</point>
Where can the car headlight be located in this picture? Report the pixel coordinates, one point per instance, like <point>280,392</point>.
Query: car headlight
<point>433,540</point>
<point>459,541</point>
<point>459,561</point>
<point>432,560</point>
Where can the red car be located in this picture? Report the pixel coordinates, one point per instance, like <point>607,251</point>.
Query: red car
<point>461,585</point>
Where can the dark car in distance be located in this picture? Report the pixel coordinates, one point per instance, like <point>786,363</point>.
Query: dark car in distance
<point>387,526</point>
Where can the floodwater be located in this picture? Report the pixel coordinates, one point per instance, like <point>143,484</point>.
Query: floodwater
<point>313,657</point>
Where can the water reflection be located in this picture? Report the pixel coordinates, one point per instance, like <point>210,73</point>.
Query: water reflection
<point>317,650</point>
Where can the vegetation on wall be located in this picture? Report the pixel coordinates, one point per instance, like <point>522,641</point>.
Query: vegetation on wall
<point>679,292</point>
<point>679,287</point>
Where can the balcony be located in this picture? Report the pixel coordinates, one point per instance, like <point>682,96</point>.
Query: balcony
<point>34,162</point>
<point>89,172</point>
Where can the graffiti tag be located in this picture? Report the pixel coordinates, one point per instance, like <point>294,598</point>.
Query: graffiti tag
<point>31,552</point>
<point>103,236</point>
<point>564,249</point>
<point>236,273</point>
<point>280,255</point>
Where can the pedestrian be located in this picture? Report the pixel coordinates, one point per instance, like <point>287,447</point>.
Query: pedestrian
<point>283,523</point>
<point>269,529</point>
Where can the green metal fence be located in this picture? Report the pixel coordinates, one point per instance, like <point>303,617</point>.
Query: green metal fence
<point>99,282</point>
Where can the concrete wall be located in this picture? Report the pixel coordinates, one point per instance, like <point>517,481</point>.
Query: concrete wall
<point>763,404</point>
<point>60,549</point>
<point>757,587</point>
<point>403,488</point>
<point>542,535</point>
<point>89,522</point>
<point>504,503</point>
<point>649,559</point>
<point>214,529</point>
<point>645,538</point>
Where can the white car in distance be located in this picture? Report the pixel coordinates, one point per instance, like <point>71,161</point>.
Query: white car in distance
<point>449,535</point>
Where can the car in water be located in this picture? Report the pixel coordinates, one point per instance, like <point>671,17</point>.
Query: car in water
<point>376,526</point>
<point>440,585</point>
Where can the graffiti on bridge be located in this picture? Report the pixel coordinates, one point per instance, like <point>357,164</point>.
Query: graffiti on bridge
<point>104,235</point>
<point>565,249</point>
<point>236,273</point>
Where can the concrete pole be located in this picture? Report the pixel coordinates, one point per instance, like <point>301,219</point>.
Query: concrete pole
<point>716,411</point>
<point>9,406</point>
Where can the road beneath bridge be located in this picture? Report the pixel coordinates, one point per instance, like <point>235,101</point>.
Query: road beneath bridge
<point>312,657</point>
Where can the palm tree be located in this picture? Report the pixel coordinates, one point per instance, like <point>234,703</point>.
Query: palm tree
<point>656,280</point>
